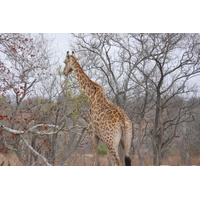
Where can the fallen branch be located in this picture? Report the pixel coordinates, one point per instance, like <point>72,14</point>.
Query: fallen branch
<point>16,132</point>
<point>33,150</point>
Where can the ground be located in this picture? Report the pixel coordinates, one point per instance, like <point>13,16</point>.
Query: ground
<point>86,160</point>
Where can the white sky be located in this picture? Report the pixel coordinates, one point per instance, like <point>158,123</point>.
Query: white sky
<point>61,42</point>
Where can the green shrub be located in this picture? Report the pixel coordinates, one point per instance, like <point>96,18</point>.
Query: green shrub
<point>194,149</point>
<point>171,152</point>
<point>102,150</point>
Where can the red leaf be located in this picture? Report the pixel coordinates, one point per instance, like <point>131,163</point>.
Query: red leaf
<point>1,116</point>
<point>25,128</point>
<point>17,121</point>
<point>5,116</point>
<point>46,128</point>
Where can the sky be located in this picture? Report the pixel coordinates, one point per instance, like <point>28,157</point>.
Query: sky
<point>62,45</point>
<point>61,41</point>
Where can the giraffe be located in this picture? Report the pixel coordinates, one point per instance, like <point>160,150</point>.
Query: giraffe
<point>106,121</point>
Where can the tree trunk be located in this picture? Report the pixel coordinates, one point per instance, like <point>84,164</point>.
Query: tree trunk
<point>154,134</point>
<point>160,137</point>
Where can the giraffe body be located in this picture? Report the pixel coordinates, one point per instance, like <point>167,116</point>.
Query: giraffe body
<point>106,121</point>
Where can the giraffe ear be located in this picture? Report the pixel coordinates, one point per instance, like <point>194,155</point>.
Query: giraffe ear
<point>77,58</point>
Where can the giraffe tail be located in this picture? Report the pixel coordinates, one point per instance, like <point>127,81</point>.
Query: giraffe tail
<point>127,161</point>
<point>126,144</point>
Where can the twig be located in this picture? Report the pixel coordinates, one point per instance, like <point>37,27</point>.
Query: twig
<point>32,129</point>
<point>16,132</point>
<point>33,150</point>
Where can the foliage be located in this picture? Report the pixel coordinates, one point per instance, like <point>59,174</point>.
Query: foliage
<point>194,149</point>
<point>102,150</point>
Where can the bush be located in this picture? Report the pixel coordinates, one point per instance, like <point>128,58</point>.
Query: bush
<point>171,152</point>
<point>102,150</point>
<point>194,149</point>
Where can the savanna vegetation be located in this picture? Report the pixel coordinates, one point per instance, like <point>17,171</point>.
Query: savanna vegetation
<point>153,77</point>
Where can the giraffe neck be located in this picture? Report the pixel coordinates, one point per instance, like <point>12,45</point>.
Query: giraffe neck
<point>87,85</point>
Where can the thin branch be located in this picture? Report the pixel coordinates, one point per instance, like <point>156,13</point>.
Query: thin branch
<point>31,130</point>
<point>16,132</point>
<point>35,152</point>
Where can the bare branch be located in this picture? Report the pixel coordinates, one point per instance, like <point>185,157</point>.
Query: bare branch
<point>16,132</point>
<point>33,151</point>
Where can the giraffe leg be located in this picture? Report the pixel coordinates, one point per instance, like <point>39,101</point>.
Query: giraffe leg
<point>95,141</point>
<point>115,157</point>
<point>108,158</point>
<point>113,152</point>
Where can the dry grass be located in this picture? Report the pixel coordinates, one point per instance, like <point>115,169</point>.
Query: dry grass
<point>10,160</point>
<point>86,160</point>
<point>172,160</point>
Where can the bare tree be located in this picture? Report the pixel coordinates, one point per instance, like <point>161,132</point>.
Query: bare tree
<point>149,73</point>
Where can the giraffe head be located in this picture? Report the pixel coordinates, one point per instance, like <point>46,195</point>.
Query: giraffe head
<point>69,61</point>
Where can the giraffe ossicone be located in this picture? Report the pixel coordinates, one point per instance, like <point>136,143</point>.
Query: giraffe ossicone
<point>106,121</point>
